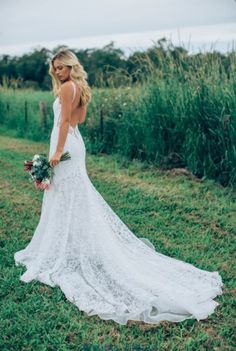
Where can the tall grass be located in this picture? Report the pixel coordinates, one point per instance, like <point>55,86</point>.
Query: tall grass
<point>181,113</point>
<point>194,117</point>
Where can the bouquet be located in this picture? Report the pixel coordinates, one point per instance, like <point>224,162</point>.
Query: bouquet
<point>40,170</point>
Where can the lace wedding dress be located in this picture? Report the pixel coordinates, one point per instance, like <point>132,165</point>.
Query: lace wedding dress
<point>83,247</point>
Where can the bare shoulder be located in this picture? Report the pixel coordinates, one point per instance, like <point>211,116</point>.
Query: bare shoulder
<point>66,89</point>
<point>66,86</point>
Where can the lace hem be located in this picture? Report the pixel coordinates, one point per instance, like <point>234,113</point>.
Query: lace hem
<point>151,311</point>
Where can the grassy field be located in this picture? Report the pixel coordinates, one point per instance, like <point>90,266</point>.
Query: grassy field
<point>184,217</point>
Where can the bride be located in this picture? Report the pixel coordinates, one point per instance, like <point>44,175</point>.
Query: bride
<point>83,247</point>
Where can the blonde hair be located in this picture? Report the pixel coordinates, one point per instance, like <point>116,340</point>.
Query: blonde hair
<point>77,74</point>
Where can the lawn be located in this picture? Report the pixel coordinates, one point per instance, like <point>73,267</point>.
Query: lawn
<point>184,217</point>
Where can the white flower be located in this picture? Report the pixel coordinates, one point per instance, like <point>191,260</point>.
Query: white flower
<point>37,163</point>
<point>36,157</point>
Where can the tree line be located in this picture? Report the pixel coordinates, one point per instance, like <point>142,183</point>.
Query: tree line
<point>107,66</point>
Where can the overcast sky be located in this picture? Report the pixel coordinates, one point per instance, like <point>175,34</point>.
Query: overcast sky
<point>131,24</point>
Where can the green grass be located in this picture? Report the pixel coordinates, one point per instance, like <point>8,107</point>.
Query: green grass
<point>184,217</point>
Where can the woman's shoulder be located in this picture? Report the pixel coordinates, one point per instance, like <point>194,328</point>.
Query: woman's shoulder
<point>67,85</point>
<point>65,88</point>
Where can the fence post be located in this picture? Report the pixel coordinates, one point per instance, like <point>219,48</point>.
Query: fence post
<point>42,108</point>
<point>101,123</point>
<point>26,112</point>
<point>4,118</point>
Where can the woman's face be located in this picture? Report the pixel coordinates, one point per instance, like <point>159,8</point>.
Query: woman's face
<point>61,71</point>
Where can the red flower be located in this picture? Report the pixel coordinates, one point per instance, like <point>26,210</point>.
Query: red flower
<point>28,165</point>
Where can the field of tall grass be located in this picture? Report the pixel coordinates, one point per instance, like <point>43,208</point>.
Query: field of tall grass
<point>182,114</point>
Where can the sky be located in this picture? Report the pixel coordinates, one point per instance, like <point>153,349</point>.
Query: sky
<point>132,25</point>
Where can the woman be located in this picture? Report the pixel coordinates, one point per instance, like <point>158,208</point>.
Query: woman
<point>83,247</point>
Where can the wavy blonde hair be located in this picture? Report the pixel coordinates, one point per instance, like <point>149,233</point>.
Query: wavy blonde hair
<point>77,74</point>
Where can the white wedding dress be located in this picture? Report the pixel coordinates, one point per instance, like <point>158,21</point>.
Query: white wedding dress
<point>83,247</point>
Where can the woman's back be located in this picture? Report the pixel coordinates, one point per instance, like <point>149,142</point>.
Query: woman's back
<point>78,113</point>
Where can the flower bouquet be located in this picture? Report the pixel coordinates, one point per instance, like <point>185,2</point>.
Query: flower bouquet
<point>40,170</point>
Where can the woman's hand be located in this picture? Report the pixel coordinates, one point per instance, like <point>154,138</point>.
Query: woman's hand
<point>55,159</point>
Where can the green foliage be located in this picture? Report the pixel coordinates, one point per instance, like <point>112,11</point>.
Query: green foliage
<point>108,66</point>
<point>31,70</point>
<point>179,111</point>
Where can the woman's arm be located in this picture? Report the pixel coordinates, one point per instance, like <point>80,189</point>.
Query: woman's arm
<point>66,109</point>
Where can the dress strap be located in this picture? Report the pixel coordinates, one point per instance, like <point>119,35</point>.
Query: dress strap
<point>74,87</point>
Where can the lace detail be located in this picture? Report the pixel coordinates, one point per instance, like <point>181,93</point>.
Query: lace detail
<point>83,247</point>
